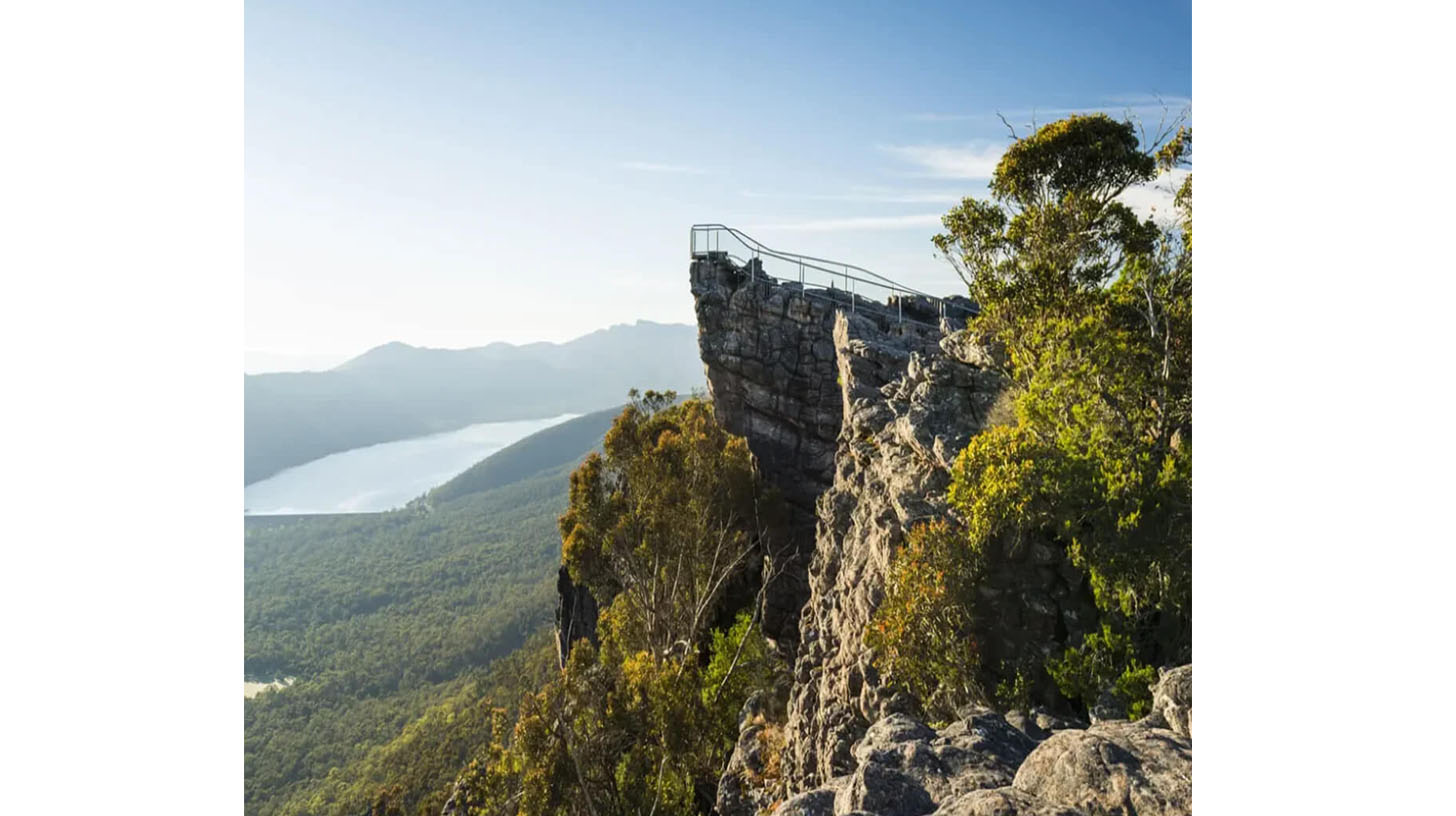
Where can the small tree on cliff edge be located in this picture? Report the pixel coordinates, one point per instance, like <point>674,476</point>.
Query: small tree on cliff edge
<point>663,522</point>
<point>1091,310</point>
<point>660,527</point>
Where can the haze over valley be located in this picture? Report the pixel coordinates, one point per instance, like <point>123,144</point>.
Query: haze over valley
<point>397,392</point>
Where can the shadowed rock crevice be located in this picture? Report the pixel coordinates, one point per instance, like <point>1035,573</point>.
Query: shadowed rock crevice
<point>576,615</point>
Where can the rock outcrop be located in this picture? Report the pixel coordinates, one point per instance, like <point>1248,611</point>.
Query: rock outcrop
<point>768,352</point>
<point>778,374</point>
<point>857,415</point>
<point>908,409</point>
<point>982,765</point>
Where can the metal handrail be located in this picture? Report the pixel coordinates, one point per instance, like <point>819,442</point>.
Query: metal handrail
<point>712,233</point>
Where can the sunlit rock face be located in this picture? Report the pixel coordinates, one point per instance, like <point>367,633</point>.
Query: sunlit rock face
<point>776,377</point>
<point>854,412</point>
<point>857,415</point>
<point>909,408</point>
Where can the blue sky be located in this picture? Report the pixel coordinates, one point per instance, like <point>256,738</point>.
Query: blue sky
<point>452,174</point>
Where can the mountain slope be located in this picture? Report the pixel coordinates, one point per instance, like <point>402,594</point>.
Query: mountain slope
<point>563,444</point>
<point>387,621</point>
<point>397,391</point>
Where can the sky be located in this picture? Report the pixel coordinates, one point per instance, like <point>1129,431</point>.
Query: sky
<point>450,174</point>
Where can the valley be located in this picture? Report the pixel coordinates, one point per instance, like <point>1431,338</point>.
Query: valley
<point>393,625</point>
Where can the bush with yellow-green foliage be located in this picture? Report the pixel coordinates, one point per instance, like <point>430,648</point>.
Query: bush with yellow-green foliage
<point>922,629</point>
<point>1092,307</point>
<point>1106,661</point>
<point>621,732</point>
<point>661,527</point>
<point>666,521</point>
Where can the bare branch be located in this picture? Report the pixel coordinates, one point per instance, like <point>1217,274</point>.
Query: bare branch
<point>1014,137</point>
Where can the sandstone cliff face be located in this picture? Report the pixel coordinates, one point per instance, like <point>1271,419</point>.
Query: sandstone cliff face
<point>908,410</point>
<point>771,367</point>
<point>576,615</point>
<point>857,416</point>
<point>786,368</point>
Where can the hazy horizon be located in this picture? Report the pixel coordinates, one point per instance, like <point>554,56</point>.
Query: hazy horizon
<point>274,361</point>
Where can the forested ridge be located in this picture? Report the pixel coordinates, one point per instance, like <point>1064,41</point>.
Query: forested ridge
<point>388,621</point>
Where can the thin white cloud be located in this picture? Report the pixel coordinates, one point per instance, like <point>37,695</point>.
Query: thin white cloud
<point>1149,108</point>
<point>870,195</point>
<point>1147,100</point>
<point>658,167</point>
<point>890,222</point>
<point>1155,199</point>
<point>950,161</point>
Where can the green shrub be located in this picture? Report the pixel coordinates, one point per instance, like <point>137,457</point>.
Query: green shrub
<point>1106,661</point>
<point>923,632</point>
<point>1090,448</point>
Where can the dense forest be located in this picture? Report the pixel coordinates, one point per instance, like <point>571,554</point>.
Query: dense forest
<point>662,527</point>
<point>388,619</point>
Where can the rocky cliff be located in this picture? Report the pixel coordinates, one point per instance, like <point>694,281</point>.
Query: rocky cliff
<point>857,414</point>
<point>785,367</point>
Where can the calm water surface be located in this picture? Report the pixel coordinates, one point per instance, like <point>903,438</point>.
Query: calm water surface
<point>384,476</point>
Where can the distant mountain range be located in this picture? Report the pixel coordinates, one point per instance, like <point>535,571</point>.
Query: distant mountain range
<point>397,391</point>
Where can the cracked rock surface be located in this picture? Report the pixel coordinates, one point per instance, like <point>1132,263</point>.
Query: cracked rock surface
<point>982,765</point>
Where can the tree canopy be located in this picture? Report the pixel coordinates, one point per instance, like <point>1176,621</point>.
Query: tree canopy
<point>1088,311</point>
<point>660,526</point>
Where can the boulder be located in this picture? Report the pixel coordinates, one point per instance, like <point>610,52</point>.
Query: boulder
<point>1173,700</point>
<point>1112,769</point>
<point>905,768</point>
<point>817,802</point>
<point>884,790</point>
<point>1004,802</point>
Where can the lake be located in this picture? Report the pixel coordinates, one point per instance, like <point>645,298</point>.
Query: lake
<point>252,688</point>
<point>384,476</point>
